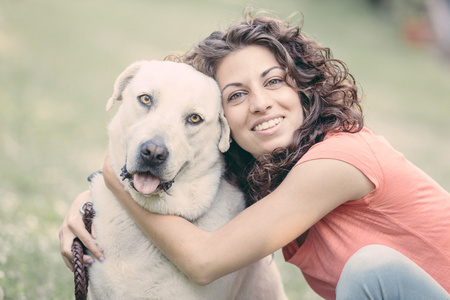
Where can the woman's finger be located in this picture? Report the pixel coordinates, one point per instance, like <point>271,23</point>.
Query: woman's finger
<point>68,263</point>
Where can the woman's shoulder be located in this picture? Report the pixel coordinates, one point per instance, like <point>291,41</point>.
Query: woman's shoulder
<point>361,143</point>
<point>365,134</point>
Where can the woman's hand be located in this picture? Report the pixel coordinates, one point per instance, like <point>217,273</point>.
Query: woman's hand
<point>72,227</point>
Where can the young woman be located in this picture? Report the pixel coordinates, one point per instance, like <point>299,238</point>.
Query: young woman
<point>353,214</point>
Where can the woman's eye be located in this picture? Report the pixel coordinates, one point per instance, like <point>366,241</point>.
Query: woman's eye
<point>145,99</point>
<point>195,119</point>
<point>235,96</point>
<point>274,81</point>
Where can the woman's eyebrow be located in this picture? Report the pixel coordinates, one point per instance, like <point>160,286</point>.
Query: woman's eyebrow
<point>270,69</point>
<point>232,84</point>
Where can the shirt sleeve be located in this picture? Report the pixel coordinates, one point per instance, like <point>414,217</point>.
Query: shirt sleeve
<point>354,149</point>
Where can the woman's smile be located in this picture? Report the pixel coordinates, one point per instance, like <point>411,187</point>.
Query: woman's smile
<point>268,124</point>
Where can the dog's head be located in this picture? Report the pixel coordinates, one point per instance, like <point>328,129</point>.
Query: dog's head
<point>170,123</point>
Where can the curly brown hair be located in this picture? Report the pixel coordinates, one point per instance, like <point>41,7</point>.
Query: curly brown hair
<point>326,89</point>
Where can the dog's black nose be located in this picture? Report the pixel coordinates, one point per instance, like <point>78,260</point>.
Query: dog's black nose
<point>154,153</point>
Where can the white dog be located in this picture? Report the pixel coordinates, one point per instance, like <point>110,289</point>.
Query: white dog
<point>167,138</point>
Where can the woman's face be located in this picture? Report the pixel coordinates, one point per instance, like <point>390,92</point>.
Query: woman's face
<point>263,111</point>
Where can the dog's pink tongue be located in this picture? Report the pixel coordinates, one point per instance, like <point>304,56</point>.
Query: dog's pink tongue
<point>145,183</point>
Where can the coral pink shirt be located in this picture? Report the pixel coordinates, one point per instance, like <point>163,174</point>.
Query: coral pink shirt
<point>407,211</point>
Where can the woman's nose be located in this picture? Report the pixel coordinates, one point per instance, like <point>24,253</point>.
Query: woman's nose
<point>260,102</point>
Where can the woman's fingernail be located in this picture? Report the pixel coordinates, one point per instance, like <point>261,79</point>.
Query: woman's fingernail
<point>101,259</point>
<point>91,261</point>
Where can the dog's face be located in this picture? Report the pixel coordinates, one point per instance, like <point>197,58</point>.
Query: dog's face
<point>170,122</point>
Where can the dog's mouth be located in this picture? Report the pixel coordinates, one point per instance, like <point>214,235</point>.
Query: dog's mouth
<point>145,182</point>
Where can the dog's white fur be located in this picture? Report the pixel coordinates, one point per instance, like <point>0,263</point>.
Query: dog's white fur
<point>135,268</point>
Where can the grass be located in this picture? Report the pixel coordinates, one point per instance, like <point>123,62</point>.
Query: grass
<point>58,62</point>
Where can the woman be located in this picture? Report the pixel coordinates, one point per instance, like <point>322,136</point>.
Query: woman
<point>358,219</point>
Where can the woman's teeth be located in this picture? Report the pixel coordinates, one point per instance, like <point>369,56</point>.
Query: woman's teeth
<point>268,124</point>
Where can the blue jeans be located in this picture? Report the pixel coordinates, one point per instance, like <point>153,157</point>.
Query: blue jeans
<point>380,272</point>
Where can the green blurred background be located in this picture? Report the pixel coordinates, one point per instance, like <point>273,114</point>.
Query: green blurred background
<point>58,63</point>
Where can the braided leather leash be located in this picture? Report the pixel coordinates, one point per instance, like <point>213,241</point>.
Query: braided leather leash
<point>81,276</point>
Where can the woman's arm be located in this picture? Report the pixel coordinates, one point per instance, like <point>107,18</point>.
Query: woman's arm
<point>309,192</point>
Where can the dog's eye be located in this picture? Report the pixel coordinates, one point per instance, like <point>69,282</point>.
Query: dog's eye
<point>145,99</point>
<point>195,119</point>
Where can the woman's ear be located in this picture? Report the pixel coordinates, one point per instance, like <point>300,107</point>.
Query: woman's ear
<point>225,138</point>
<point>122,82</point>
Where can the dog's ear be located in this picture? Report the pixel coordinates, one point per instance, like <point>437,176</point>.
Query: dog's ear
<point>122,82</point>
<point>224,142</point>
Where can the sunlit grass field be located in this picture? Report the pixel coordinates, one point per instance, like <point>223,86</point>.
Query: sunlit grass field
<point>58,63</point>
